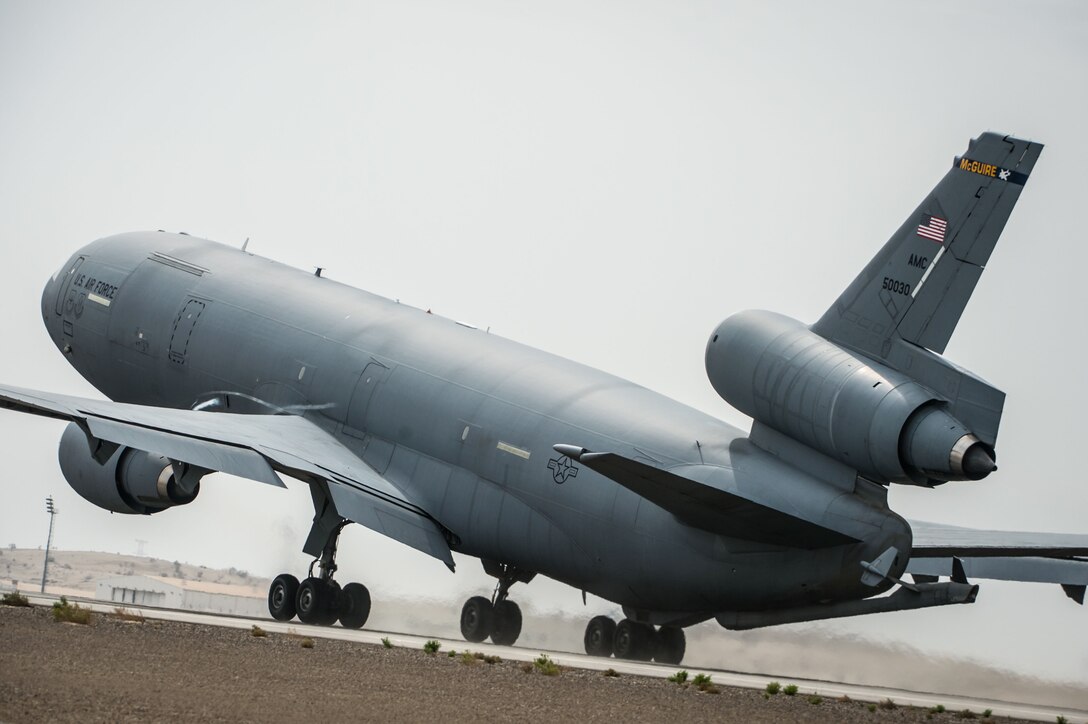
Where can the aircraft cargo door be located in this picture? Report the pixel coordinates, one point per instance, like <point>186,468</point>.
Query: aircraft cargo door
<point>372,376</point>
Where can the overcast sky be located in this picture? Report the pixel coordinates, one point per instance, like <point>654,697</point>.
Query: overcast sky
<point>606,181</point>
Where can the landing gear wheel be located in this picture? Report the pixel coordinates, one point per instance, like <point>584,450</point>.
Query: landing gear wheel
<point>600,633</point>
<point>281,597</point>
<point>671,645</point>
<point>354,605</point>
<point>316,602</point>
<point>334,601</point>
<point>634,641</point>
<point>506,623</point>
<point>477,619</point>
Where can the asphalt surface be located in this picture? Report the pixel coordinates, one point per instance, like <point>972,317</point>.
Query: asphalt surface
<point>183,666</point>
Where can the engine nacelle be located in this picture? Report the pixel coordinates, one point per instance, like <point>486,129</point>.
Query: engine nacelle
<point>878,421</point>
<point>130,481</point>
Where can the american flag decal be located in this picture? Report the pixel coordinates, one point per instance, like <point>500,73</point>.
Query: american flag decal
<point>933,228</point>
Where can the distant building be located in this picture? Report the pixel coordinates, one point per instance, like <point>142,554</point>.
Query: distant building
<point>163,592</point>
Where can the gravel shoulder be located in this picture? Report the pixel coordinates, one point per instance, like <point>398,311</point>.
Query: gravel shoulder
<point>116,670</point>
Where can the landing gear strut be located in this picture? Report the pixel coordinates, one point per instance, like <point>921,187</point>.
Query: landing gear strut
<point>319,600</point>
<point>499,618</point>
<point>634,641</point>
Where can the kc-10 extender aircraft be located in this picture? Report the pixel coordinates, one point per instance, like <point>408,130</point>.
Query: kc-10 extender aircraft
<point>447,438</point>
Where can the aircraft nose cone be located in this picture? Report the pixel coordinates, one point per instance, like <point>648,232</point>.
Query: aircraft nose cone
<point>978,463</point>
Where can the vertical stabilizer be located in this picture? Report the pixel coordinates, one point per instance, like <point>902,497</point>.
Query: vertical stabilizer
<point>917,286</point>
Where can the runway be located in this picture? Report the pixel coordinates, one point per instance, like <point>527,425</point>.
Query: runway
<point>827,689</point>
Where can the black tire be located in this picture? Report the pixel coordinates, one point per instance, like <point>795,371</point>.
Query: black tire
<point>316,602</point>
<point>354,605</point>
<point>506,623</point>
<point>600,635</point>
<point>671,645</point>
<point>634,641</point>
<point>477,619</point>
<point>281,597</point>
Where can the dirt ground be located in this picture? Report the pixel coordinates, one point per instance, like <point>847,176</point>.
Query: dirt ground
<point>119,671</point>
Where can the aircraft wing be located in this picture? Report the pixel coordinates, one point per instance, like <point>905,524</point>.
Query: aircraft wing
<point>257,447</point>
<point>707,507</point>
<point>1002,555</point>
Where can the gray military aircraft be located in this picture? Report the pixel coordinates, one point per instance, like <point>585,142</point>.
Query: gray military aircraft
<point>447,438</point>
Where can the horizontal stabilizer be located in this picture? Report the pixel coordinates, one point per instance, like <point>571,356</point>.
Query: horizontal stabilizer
<point>707,507</point>
<point>1060,558</point>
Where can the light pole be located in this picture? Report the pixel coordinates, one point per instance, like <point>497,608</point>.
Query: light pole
<point>48,541</point>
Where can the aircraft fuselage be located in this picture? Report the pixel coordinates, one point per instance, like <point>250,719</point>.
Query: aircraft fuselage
<point>462,420</point>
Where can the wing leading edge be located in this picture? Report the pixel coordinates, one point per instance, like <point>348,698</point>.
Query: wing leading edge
<point>257,447</point>
<point>704,506</point>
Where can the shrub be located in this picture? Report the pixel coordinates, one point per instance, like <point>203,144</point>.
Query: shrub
<point>467,657</point>
<point>773,688</point>
<point>611,673</point>
<point>790,689</point>
<point>258,632</point>
<point>70,612</point>
<point>451,653</point>
<point>679,677</point>
<point>307,643</point>
<point>387,643</point>
<point>546,666</point>
<point>871,707</point>
<point>432,647</point>
<point>815,700</point>
<point>967,714</point>
<point>702,683</point>
<point>14,599</point>
<point>488,658</point>
<point>988,714</point>
<point>887,705</point>
<point>126,615</point>
<point>939,709</point>
<point>1062,720</point>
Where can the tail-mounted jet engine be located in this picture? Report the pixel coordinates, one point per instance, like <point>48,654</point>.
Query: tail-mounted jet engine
<point>877,420</point>
<point>129,481</point>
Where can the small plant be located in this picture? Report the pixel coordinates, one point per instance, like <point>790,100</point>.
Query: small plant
<point>887,705</point>
<point>126,615</point>
<point>257,632</point>
<point>467,657</point>
<point>702,683</point>
<point>988,714</point>
<point>387,643</point>
<point>967,714</point>
<point>451,653</point>
<point>307,643</point>
<point>790,689</point>
<point>871,707</point>
<point>432,647</point>
<point>14,599</point>
<point>526,668</point>
<point>815,700</point>
<point>70,612</point>
<point>488,658</point>
<point>939,709</point>
<point>1062,720</point>
<point>679,677</point>
<point>612,673</point>
<point>844,699</point>
<point>546,666</point>
<point>773,688</point>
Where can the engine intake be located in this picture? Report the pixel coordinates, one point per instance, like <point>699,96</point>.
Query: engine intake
<point>130,481</point>
<point>879,421</point>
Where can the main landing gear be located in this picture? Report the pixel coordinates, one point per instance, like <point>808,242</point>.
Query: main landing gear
<point>499,617</point>
<point>635,641</point>
<point>319,600</point>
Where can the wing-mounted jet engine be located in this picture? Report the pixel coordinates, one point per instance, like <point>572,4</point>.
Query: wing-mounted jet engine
<point>866,385</point>
<point>123,479</point>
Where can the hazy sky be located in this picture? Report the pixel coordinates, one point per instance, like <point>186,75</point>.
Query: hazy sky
<point>602,180</point>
